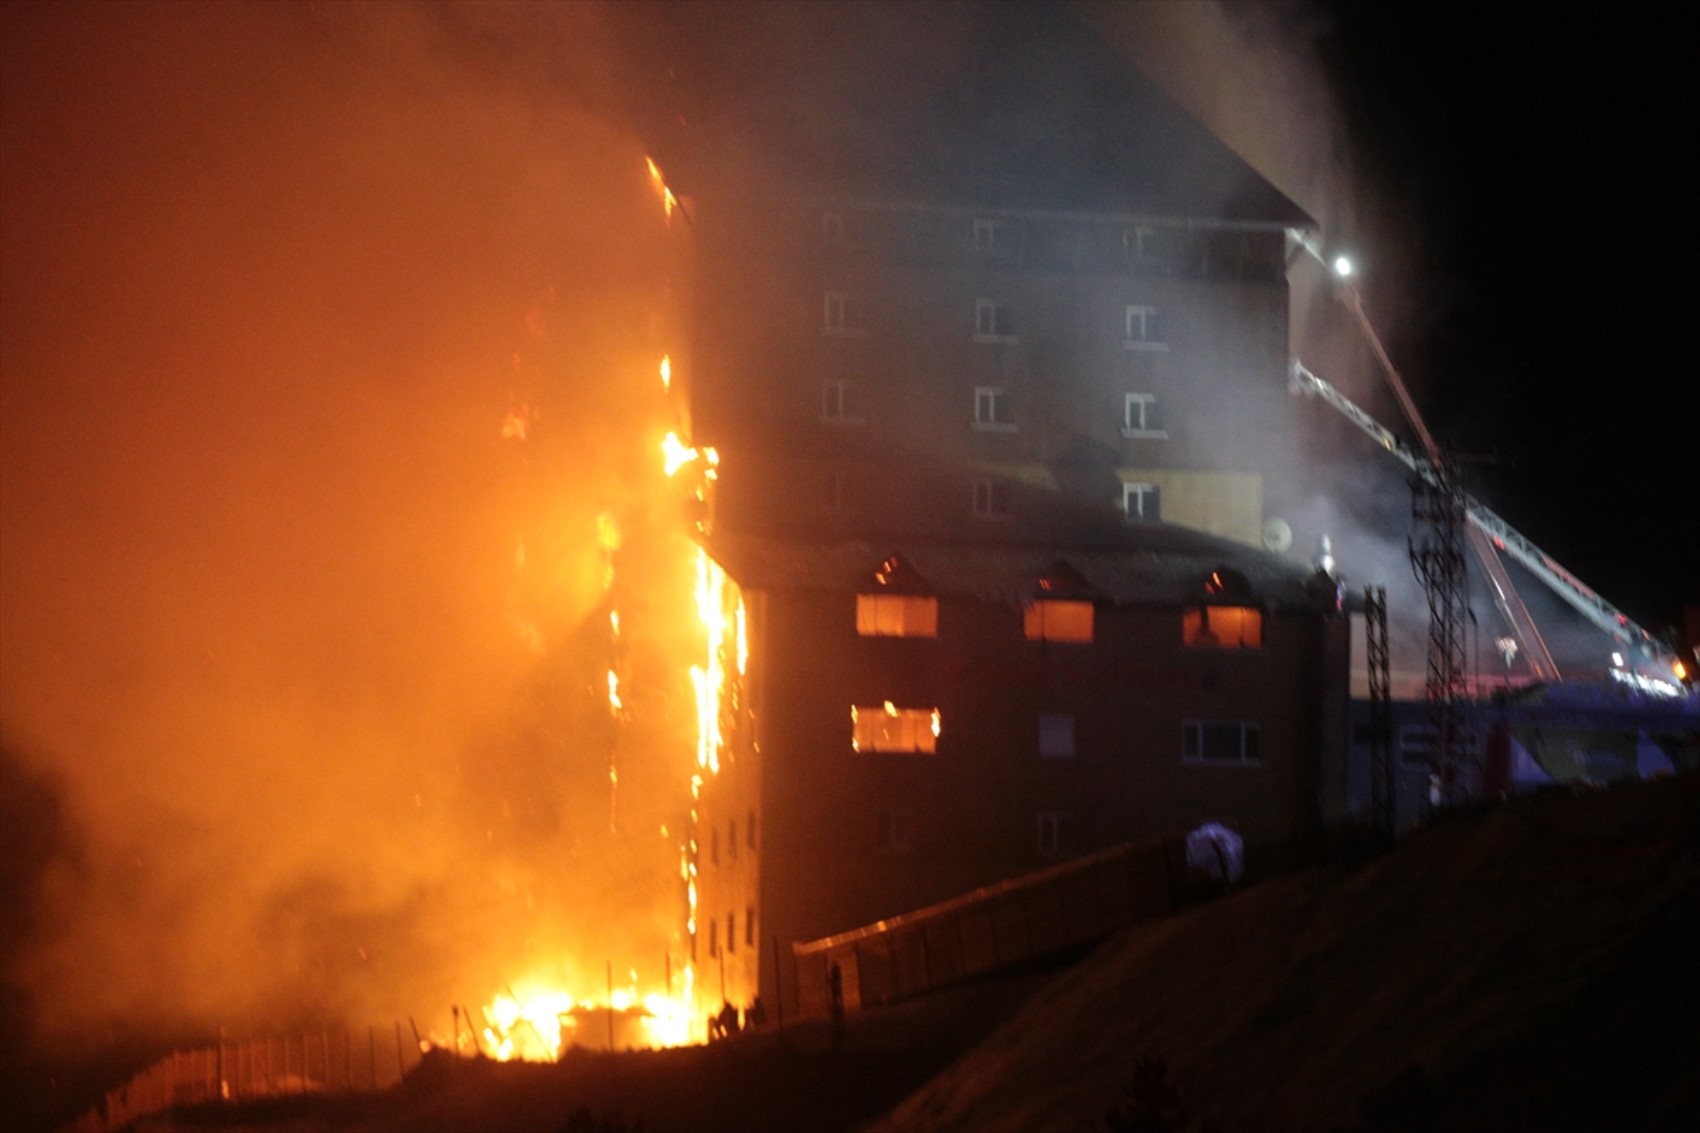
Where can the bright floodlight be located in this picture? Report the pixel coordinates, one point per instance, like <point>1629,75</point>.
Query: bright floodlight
<point>1343,267</point>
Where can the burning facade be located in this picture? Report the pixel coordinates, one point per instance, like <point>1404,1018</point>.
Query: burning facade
<point>999,403</point>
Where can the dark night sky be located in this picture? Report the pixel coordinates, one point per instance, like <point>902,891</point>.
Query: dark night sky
<point>1528,171</point>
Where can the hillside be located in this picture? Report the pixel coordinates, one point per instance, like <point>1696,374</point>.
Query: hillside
<point>1524,967</point>
<point>1529,967</point>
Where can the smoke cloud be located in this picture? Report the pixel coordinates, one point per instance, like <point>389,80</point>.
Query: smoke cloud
<point>308,655</point>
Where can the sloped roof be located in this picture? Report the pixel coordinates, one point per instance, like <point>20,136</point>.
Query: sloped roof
<point>990,105</point>
<point>1166,566</point>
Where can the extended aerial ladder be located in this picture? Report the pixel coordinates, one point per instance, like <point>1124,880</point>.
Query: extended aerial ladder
<point>1498,536</point>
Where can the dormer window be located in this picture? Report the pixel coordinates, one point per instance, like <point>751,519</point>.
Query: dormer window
<point>1052,619</point>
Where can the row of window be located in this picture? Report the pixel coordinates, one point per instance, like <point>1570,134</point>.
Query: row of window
<point>888,729</point>
<point>1237,254</point>
<point>1053,830</point>
<point>1141,327</point>
<point>732,932</point>
<point>1059,620</point>
<point>1141,414</point>
<point>732,838</point>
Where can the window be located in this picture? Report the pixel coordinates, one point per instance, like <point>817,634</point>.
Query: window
<point>835,492</point>
<point>842,314</point>
<point>992,322</point>
<point>1219,741</point>
<point>890,728</point>
<point>1053,833</point>
<point>1222,627</point>
<point>837,402</point>
<point>732,839</point>
<point>896,615</point>
<point>1056,735</point>
<point>1142,417</point>
<point>1055,619</point>
<point>731,932</point>
<point>750,925</point>
<point>991,499</point>
<point>832,227</point>
<point>714,938</point>
<point>1143,330</point>
<point>990,235</point>
<point>750,830</point>
<point>1141,502</point>
<point>1139,243</point>
<point>992,411</point>
<point>892,832</point>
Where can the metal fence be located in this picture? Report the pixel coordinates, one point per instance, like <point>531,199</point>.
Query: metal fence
<point>344,1061</point>
<point>996,927</point>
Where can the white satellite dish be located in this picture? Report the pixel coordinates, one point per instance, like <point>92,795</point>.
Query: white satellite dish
<point>1277,536</point>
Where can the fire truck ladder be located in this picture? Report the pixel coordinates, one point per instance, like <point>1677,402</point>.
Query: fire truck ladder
<point>1490,534</point>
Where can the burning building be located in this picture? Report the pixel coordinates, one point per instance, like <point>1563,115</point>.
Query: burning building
<point>999,377</point>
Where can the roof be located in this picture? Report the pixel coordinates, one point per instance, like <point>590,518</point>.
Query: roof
<point>993,105</point>
<point>1167,565</point>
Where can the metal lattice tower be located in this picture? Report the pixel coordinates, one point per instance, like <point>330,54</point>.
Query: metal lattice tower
<point>1437,556</point>
<point>1383,808</point>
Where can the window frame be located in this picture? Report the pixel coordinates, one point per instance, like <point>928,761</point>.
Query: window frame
<point>1250,743</point>
<point>1150,326</point>
<point>841,315</point>
<point>1072,745</point>
<point>999,415</point>
<point>1191,637</point>
<point>918,730</point>
<point>1143,489</point>
<point>837,402</point>
<point>914,615</point>
<point>991,499</point>
<point>1149,418</point>
<point>992,322</point>
<point>1051,833</point>
<point>1034,625</point>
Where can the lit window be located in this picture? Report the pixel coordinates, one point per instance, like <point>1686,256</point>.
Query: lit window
<point>1142,416</point>
<point>832,227</point>
<point>892,833</point>
<point>1056,735</point>
<point>842,314</point>
<point>1141,502</point>
<point>991,499</point>
<point>890,728</point>
<point>1056,619</point>
<point>989,235</point>
<point>837,402</point>
<point>992,322</point>
<point>1143,329</point>
<point>992,411</point>
<point>1053,833</point>
<point>1222,627</point>
<point>896,615</point>
<point>1219,741</point>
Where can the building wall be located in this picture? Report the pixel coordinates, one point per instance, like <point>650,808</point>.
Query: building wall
<point>848,837</point>
<point>858,414</point>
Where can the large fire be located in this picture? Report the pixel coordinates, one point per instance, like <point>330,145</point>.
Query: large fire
<point>537,1017</point>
